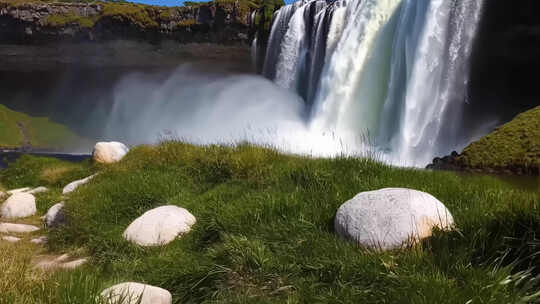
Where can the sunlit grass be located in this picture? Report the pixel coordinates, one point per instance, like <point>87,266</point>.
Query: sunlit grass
<point>264,231</point>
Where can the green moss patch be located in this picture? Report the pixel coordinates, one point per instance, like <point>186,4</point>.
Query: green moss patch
<point>515,145</point>
<point>18,129</point>
<point>72,18</point>
<point>142,15</point>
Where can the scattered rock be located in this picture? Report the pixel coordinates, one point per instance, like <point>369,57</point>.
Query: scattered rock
<point>136,293</point>
<point>159,226</point>
<point>391,218</point>
<point>62,262</point>
<point>74,264</point>
<point>38,190</point>
<point>55,216</point>
<point>19,190</point>
<point>40,240</point>
<point>11,239</point>
<point>19,205</point>
<point>449,162</point>
<point>74,185</point>
<point>109,152</point>
<point>17,228</point>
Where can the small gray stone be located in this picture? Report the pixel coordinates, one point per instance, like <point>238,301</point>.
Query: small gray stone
<point>55,215</point>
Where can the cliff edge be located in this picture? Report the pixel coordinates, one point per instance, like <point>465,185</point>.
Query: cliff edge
<point>222,22</point>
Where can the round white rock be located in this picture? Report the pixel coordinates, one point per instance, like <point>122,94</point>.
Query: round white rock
<point>391,218</point>
<point>136,293</point>
<point>109,152</point>
<point>159,226</point>
<point>19,205</point>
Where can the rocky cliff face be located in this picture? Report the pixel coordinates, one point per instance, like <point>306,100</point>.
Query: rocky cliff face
<point>39,22</point>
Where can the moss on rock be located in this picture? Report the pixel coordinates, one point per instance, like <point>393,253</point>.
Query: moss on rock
<point>514,147</point>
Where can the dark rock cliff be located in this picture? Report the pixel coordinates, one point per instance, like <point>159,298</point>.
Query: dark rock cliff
<point>39,22</point>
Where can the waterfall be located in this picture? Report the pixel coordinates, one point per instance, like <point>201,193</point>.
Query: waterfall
<point>429,88</point>
<point>396,70</point>
<point>280,25</point>
<point>254,52</point>
<point>359,66</point>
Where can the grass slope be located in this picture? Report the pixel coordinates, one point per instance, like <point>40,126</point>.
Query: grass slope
<point>515,145</point>
<point>265,230</point>
<point>18,129</point>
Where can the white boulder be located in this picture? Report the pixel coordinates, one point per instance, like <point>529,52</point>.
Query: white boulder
<point>76,184</point>
<point>11,239</point>
<point>17,228</point>
<point>136,293</point>
<point>391,218</point>
<point>159,226</point>
<point>19,205</point>
<point>109,152</point>
<point>55,215</point>
<point>19,190</point>
<point>38,190</point>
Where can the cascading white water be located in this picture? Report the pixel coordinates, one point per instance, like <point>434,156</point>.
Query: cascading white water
<point>393,73</point>
<point>359,65</point>
<point>292,51</point>
<point>428,101</point>
<point>279,28</point>
<point>394,70</point>
<point>254,52</point>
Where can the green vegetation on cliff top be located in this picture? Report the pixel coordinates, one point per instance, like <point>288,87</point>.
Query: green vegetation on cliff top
<point>264,231</point>
<point>148,16</point>
<point>18,129</point>
<point>513,145</point>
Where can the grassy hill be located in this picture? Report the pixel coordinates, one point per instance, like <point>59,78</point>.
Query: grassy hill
<point>514,146</point>
<point>264,231</point>
<point>21,130</point>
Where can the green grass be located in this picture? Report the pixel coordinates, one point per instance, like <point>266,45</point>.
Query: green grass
<point>69,18</point>
<point>513,145</point>
<point>264,231</point>
<point>41,132</point>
